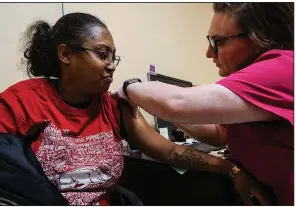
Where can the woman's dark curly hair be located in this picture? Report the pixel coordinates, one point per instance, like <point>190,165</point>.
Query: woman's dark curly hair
<point>42,42</point>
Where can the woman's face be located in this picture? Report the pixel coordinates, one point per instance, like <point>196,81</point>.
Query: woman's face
<point>91,72</point>
<point>232,53</point>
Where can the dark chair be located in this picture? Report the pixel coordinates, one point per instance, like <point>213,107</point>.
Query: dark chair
<point>123,197</point>
<point>119,197</point>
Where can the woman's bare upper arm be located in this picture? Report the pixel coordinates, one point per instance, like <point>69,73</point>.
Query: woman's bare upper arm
<point>142,135</point>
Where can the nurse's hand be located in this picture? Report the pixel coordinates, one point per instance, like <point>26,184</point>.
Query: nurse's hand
<point>119,94</point>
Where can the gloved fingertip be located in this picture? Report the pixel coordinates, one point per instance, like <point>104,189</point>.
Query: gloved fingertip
<point>135,114</point>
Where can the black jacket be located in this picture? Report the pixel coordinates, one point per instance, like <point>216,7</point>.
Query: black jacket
<point>22,180</point>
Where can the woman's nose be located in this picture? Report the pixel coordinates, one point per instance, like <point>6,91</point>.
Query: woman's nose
<point>110,66</point>
<point>210,52</point>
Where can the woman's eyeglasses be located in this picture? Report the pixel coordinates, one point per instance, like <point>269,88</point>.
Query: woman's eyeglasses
<point>104,56</point>
<point>214,42</point>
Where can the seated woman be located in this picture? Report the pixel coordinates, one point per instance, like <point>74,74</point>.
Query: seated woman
<point>71,119</point>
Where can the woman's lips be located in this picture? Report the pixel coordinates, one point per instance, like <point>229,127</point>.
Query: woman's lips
<point>108,79</point>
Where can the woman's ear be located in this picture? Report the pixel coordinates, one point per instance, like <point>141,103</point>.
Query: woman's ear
<point>64,53</point>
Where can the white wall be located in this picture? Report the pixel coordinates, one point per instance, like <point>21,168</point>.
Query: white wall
<point>14,19</point>
<point>170,35</point>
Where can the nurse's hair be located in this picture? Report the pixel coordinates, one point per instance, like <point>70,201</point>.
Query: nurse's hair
<point>270,25</point>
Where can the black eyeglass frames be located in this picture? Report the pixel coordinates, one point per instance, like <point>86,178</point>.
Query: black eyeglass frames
<point>104,56</point>
<point>214,41</point>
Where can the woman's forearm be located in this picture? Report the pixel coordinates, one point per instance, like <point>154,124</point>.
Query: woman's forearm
<point>140,133</point>
<point>189,158</point>
<point>157,147</point>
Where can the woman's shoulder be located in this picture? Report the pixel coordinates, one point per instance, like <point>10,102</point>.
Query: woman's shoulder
<point>274,64</point>
<point>107,97</point>
<point>111,103</point>
<point>26,88</point>
<point>289,53</point>
<point>280,56</point>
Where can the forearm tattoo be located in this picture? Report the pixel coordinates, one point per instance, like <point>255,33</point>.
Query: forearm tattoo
<point>192,158</point>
